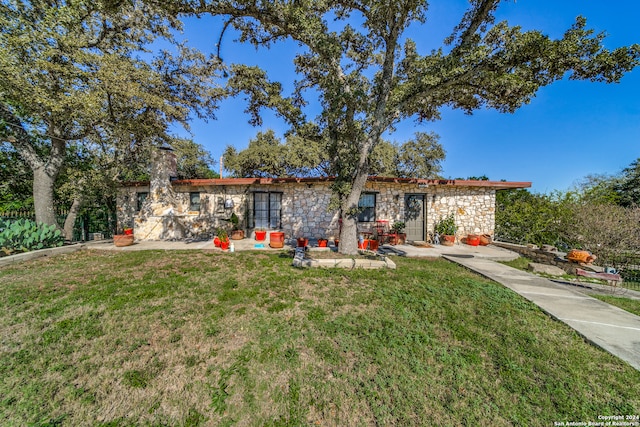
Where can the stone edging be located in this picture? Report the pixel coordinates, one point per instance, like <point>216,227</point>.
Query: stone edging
<point>349,263</point>
<point>27,256</point>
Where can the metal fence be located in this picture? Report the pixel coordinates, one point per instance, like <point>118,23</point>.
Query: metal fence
<point>628,265</point>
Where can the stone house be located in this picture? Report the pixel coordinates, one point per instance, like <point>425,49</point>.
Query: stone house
<point>166,208</point>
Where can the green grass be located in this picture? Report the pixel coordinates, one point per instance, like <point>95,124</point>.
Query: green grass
<point>197,338</point>
<point>628,304</point>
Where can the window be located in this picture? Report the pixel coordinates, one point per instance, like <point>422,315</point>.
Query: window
<point>367,205</point>
<point>140,198</point>
<point>194,201</point>
<point>267,210</point>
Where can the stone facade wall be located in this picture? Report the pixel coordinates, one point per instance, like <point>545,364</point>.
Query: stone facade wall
<point>304,209</point>
<point>474,209</point>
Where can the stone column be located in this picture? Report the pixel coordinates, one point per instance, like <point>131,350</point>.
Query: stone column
<point>159,217</point>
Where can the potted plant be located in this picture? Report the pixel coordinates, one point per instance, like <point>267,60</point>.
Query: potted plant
<point>236,232</point>
<point>223,236</point>
<point>120,240</point>
<point>323,243</point>
<point>303,242</point>
<point>261,234</point>
<point>446,229</point>
<point>398,230</point>
<point>124,239</point>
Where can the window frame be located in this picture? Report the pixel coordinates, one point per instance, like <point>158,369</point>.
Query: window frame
<point>195,207</point>
<point>272,214</point>
<point>141,197</point>
<point>367,213</point>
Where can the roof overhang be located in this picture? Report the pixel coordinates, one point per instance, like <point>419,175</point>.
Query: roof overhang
<point>423,183</point>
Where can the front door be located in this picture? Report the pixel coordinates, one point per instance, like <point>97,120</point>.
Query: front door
<point>414,216</point>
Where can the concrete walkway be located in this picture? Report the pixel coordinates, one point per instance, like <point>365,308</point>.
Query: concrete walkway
<point>610,328</point>
<point>487,252</point>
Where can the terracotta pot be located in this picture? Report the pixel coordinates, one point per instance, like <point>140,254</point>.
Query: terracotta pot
<point>121,240</point>
<point>401,239</point>
<point>447,240</point>
<point>261,235</point>
<point>276,239</point>
<point>322,243</point>
<point>485,239</point>
<point>302,242</point>
<point>473,240</point>
<point>237,234</point>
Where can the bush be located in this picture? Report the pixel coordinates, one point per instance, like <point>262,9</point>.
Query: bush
<point>523,217</point>
<point>24,235</point>
<point>609,231</point>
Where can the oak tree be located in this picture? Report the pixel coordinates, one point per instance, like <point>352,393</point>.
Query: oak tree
<point>81,73</point>
<point>355,55</point>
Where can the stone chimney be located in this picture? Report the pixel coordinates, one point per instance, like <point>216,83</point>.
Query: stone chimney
<point>163,170</point>
<point>159,216</point>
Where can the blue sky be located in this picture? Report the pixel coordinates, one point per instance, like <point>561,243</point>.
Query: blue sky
<point>570,129</point>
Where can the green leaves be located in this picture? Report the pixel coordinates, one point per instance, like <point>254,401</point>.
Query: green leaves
<point>24,235</point>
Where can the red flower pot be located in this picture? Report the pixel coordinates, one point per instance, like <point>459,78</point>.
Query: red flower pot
<point>322,243</point>
<point>473,240</point>
<point>261,235</point>
<point>373,245</point>
<point>216,242</point>
<point>302,242</point>
<point>224,245</point>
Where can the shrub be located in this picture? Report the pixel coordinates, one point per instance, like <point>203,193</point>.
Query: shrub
<point>24,235</point>
<point>609,231</point>
<point>523,217</point>
<point>446,226</point>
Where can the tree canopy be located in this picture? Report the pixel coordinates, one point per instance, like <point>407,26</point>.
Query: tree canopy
<point>369,76</point>
<point>268,156</point>
<point>80,74</point>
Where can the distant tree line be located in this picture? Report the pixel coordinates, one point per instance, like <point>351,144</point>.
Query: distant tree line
<point>601,215</point>
<point>269,156</point>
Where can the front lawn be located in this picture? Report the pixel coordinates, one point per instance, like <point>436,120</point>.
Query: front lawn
<point>204,338</point>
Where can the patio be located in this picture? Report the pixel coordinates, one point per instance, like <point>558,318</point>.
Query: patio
<point>411,251</point>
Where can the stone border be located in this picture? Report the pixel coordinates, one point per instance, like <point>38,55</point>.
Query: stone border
<point>27,256</point>
<point>348,263</point>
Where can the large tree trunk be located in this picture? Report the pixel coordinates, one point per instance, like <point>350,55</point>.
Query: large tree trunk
<point>70,220</point>
<point>43,184</point>
<point>45,170</point>
<point>349,232</point>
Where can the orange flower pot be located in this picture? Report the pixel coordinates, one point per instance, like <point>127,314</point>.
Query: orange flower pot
<point>121,240</point>
<point>276,239</point>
